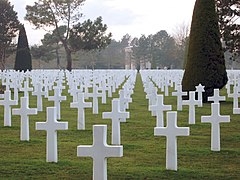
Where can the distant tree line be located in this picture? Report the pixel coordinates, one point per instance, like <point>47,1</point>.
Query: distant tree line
<point>88,43</point>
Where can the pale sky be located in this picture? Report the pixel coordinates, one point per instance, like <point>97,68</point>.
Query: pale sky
<point>135,17</point>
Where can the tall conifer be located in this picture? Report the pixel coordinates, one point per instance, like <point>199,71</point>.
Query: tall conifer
<point>23,60</point>
<point>205,59</point>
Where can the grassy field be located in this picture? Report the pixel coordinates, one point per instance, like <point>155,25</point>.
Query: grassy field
<point>144,154</point>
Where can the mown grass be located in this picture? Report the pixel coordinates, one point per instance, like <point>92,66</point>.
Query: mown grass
<point>144,154</point>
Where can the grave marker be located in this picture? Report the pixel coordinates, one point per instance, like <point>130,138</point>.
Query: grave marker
<point>95,95</point>
<point>215,119</point>
<point>200,90</point>
<point>116,116</point>
<point>235,96</point>
<point>216,98</point>
<point>99,152</point>
<point>24,111</point>
<point>80,104</point>
<point>57,98</point>
<point>159,108</point>
<point>7,103</point>
<point>51,126</point>
<point>179,95</point>
<point>192,102</point>
<point>123,101</point>
<point>39,93</point>
<point>171,131</point>
<point>26,89</point>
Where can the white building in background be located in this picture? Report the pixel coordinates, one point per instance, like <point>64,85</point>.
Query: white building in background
<point>130,62</point>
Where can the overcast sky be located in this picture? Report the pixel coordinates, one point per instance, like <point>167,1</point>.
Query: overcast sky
<point>134,17</point>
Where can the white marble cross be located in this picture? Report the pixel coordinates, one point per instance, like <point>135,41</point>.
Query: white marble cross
<point>235,96</point>
<point>46,88</point>
<point>171,131</point>
<point>7,103</point>
<point>15,90</point>
<point>159,108</point>
<point>179,95</point>
<point>73,90</point>
<point>109,90</point>
<point>116,116</point>
<point>127,92</point>
<point>215,119</point>
<point>99,152</point>
<point>95,95</point>
<point>57,98</point>
<point>200,90</point>
<point>192,102</point>
<point>26,89</point>
<point>39,93</point>
<point>85,87</point>
<point>124,101</point>
<point>24,111</point>
<point>59,85</point>
<point>51,126</point>
<point>80,104</point>
<point>103,90</point>
<point>166,86</point>
<point>216,98</point>
<point>152,98</point>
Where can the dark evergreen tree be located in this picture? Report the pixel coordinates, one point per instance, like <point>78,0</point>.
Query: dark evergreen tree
<point>205,60</point>
<point>23,60</point>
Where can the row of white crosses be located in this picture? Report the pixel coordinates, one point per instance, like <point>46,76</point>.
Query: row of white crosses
<point>100,150</point>
<point>171,131</point>
<point>52,115</point>
<point>9,79</point>
<point>117,115</point>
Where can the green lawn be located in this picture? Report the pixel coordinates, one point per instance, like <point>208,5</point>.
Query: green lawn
<point>144,154</point>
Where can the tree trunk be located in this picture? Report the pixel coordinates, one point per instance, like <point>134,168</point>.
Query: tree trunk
<point>58,59</point>
<point>68,56</point>
<point>69,60</point>
<point>2,56</point>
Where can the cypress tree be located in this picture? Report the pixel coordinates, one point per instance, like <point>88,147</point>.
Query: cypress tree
<point>23,60</point>
<point>205,59</point>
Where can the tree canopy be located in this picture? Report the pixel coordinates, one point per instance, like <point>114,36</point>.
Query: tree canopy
<point>9,26</point>
<point>54,13</point>
<point>205,60</point>
<point>228,14</point>
<point>89,35</point>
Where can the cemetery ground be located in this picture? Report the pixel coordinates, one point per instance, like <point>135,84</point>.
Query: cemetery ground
<point>144,155</point>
